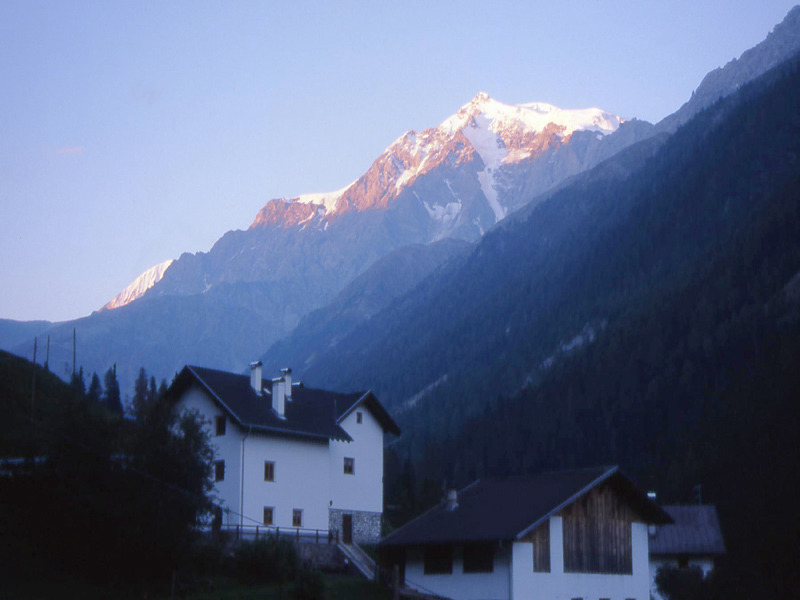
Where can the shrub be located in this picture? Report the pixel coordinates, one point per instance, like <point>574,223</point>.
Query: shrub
<point>683,584</point>
<point>268,560</point>
<point>309,585</point>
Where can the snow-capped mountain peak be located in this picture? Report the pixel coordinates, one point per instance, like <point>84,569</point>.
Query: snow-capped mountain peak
<point>499,135</point>
<point>139,286</point>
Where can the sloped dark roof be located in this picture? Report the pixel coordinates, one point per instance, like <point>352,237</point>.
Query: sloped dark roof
<point>311,413</point>
<point>695,531</point>
<point>507,509</point>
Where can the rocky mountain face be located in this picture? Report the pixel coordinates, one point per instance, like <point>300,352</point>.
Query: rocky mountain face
<point>457,180</point>
<point>780,44</point>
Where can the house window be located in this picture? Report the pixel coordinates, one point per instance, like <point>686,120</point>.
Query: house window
<point>219,470</point>
<point>297,517</point>
<point>349,466</point>
<point>269,470</point>
<point>359,418</point>
<point>268,512</point>
<point>478,558</point>
<point>438,560</point>
<point>219,425</point>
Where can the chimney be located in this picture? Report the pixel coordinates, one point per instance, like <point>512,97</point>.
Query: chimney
<point>287,376</point>
<point>279,396</point>
<point>255,376</point>
<point>452,499</point>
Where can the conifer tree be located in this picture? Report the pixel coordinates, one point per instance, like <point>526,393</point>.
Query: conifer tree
<point>95,392</point>
<point>112,395</point>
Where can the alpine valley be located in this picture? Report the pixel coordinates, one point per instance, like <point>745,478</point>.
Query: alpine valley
<point>454,182</point>
<point>526,287</point>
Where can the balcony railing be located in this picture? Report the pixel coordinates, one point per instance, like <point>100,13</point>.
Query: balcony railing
<point>296,534</point>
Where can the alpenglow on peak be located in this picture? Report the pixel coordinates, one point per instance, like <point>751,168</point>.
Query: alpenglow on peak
<point>498,135</point>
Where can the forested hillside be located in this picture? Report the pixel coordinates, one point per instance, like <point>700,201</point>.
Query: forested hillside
<point>688,275</point>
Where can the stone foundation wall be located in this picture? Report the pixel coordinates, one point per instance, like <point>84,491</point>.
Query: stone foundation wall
<point>366,525</point>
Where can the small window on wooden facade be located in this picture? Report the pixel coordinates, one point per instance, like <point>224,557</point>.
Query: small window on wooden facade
<point>268,515</point>
<point>297,517</point>
<point>478,558</point>
<point>269,470</point>
<point>597,534</point>
<point>541,548</point>
<point>359,418</point>
<point>219,470</point>
<point>438,560</point>
<point>349,466</point>
<point>219,425</point>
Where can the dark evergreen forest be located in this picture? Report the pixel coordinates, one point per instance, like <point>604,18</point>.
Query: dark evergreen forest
<point>689,274</point>
<point>90,495</point>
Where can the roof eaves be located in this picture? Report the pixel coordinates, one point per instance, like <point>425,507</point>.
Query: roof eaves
<point>568,501</point>
<point>390,424</point>
<point>297,432</point>
<point>215,396</point>
<point>353,406</point>
<point>427,512</point>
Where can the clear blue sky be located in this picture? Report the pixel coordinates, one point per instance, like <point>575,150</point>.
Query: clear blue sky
<point>132,132</point>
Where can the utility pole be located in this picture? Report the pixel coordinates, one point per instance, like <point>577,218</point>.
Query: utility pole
<point>47,356</point>
<point>73,352</point>
<point>33,385</point>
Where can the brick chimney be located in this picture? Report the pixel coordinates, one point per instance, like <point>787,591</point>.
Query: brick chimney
<point>287,377</point>
<point>255,376</point>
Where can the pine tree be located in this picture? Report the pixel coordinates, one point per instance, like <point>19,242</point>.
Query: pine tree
<point>95,392</point>
<point>112,395</point>
<point>78,383</point>
<point>141,400</point>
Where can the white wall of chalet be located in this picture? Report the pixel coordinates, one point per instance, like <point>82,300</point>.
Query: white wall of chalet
<point>558,585</point>
<point>459,585</point>
<point>513,576</point>
<point>308,474</point>
<point>227,448</point>
<point>363,490</point>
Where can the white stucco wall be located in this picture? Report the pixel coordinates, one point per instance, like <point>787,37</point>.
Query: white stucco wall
<point>301,480</point>
<point>227,447</point>
<point>460,585</point>
<point>706,563</point>
<point>309,475</point>
<point>364,489</point>
<point>558,585</point>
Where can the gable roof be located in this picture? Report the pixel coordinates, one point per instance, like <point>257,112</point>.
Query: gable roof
<point>695,531</point>
<point>508,509</point>
<point>311,413</point>
<point>370,402</point>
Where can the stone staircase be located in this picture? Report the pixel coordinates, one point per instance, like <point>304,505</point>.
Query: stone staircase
<point>359,559</point>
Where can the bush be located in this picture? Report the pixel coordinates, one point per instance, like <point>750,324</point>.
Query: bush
<point>309,585</point>
<point>683,584</point>
<point>269,560</point>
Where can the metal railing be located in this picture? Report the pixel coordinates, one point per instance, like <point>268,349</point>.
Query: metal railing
<point>296,534</point>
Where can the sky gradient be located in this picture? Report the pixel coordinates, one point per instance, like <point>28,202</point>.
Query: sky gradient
<point>132,132</point>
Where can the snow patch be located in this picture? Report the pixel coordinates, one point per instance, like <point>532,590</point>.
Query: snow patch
<point>327,199</point>
<point>139,286</point>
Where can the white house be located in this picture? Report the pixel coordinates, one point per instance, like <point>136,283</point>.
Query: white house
<point>694,539</point>
<point>288,456</point>
<point>557,536</point>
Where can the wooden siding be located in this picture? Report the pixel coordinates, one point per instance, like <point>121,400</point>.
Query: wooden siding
<point>540,538</point>
<point>597,533</point>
